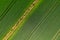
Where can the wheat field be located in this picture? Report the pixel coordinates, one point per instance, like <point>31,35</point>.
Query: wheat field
<point>29,19</point>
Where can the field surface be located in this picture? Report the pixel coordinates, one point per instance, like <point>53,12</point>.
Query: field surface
<point>29,19</point>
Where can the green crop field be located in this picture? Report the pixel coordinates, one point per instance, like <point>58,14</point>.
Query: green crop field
<point>29,19</point>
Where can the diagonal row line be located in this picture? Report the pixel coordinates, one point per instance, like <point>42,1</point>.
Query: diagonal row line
<point>53,11</point>
<point>42,31</point>
<point>7,9</point>
<point>56,35</point>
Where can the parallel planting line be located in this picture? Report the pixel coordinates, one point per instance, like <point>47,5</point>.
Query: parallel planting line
<point>56,35</point>
<point>54,6</point>
<point>7,9</point>
<point>26,13</point>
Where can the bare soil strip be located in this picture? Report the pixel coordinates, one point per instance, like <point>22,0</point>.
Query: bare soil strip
<point>12,30</point>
